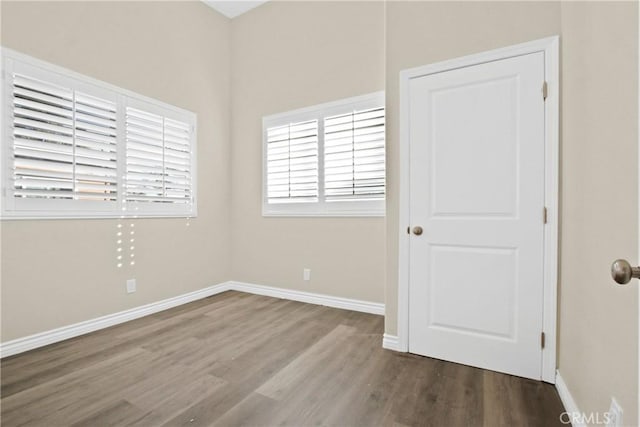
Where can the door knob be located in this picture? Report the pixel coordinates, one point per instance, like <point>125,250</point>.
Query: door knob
<point>417,230</point>
<point>622,272</point>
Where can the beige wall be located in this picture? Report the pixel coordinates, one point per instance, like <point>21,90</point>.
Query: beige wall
<point>598,335</point>
<point>288,55</point>
<point>598,355</point>
<point>55,273</point>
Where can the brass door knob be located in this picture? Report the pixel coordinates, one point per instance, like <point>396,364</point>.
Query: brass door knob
<point>417,230</point>
<point>622,272</point>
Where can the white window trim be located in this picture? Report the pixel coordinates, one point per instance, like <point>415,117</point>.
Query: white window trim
<point>321,208</point>
<point>121,210</point>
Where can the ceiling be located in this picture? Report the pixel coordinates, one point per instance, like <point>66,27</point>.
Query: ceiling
<point>233,8</point>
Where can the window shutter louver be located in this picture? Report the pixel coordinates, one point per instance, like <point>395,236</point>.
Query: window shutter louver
<point>292,163</point>
<point>177,154</point>
<point>64,143</point>
<point>95,148</point>
<point>144,179</point>
<point>158,159</point>
<point>42,139</point>
<point>354,156</point>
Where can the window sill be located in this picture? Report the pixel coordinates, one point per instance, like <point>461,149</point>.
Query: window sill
<point>67,216</point>
<point>327,215</point>
<point>361,208</point>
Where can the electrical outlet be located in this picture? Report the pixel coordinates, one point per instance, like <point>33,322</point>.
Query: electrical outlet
<point>131,286</point>
<point>615,414</point>
<point>306,274</point>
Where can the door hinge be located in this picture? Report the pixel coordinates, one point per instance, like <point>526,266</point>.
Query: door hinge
<point>544,90</point>
<point>544,215</point>
<point>542,340</point>
<point>409,230</point>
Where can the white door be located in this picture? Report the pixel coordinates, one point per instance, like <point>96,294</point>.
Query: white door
<point>476,141</point>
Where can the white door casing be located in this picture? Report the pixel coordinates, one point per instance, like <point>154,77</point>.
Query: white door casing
<point>483,273</point>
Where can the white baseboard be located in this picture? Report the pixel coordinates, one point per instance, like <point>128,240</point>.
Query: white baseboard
<point>567,400</point>
<point>31,342</point>
<point>391,342</point>
<point>309,297</point>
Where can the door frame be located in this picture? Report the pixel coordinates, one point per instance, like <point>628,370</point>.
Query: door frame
<point>550,47</point>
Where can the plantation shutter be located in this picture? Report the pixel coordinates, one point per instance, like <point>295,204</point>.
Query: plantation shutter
<point>76,147</point>
<point>354,156</point>
<point>292,163</point>
<point>64,143</point>
<point>95,148</point>
<point>144,180</point>
<point>42,139</point>
<point>177,167</point>
<point>158,160</point>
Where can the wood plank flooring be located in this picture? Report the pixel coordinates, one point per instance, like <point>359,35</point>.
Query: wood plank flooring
<point>238,359</point>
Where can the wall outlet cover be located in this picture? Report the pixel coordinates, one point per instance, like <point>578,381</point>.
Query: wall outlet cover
<point>131,286</point>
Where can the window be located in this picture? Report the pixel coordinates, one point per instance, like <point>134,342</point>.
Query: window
<point>326,160</point>
<point>77,147</point>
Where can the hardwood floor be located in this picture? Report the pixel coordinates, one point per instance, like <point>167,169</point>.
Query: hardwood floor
<point>240,359</point>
